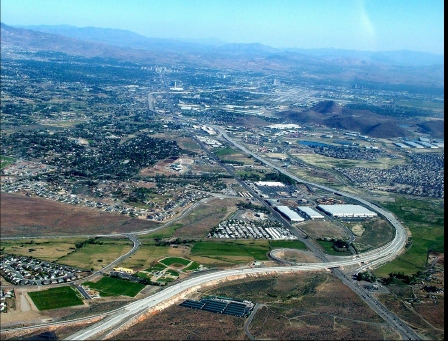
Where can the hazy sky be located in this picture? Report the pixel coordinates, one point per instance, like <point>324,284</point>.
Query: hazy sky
<point>371,25</point>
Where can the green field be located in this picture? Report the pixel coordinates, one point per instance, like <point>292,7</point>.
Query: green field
<point>97,255</point>
<point>156,267</point>
<point>54,298</point>
<point>192,266</point>
<point>174,260</point>
<point>5,160</point>
<point>425,219</point>
<point>287,244</point>
<point>225,151</point>
<point>110,286</point>
<point>241,251</point>
<point>328,248</point>
<point>165,232</point>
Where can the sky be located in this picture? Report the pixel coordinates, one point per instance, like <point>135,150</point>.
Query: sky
<point>365,25</point>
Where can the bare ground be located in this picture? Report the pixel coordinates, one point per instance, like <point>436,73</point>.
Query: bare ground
<point>27,216</point>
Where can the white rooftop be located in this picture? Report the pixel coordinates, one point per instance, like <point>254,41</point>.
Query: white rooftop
<point>347,210</point>
<point>310,212</point>
<point>270,183</point>
<point>292,215</point>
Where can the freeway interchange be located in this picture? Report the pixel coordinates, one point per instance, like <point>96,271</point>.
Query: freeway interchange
<point>360,262</point>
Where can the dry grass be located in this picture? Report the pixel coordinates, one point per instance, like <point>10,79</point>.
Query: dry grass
<point>25,216</point>
<point>319,229</point>
<point>299,306</point>
<point>198,223</point>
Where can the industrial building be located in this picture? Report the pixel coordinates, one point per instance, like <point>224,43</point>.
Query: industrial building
<point>269,184</point>
<point>291,215</point>
<point>309,213</point>
<point>347,211</point>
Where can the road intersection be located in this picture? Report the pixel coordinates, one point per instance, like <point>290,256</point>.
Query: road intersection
<point>361,261</point>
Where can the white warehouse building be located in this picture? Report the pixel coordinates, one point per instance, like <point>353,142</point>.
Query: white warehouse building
<point>347,211</point>
<point>309,213</point>
<point>269,184</point>
<point>289,214</point>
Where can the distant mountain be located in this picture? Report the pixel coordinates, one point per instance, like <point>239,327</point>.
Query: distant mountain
<point>125,38</point>
<point>120,38</point>
<point>404,57</point>
<point>381,70</point>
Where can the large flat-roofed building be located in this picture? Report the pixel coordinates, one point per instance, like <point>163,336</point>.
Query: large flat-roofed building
<point>347,211</point>
<point>289,214</point>
<point>309,213</point>
<point>269,184</point>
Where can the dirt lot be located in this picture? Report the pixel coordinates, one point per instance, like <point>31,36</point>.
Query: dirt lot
<point>320,229</point>
<point>297,256</point>
<point>198,223</point>
<point>25,216</point>
<point>300,306</point>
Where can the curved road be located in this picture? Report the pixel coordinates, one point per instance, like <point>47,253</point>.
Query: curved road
<point>363,260</point>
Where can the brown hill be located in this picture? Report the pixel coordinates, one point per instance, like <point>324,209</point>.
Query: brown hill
<point>333,115</point>
<point>385,130</point>
<point>327,107</point>
<point>434,127</point>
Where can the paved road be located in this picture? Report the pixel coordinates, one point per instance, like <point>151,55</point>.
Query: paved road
<point>363,260</point>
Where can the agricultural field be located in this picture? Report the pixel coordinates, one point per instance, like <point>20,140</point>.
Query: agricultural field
<point>54,298</point>
<point>110,286</point>
<point>228,253</point>
<point>229,155</point>
<point>425,220</point>
<point>98,254</point>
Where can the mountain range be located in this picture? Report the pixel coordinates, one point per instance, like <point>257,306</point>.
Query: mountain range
<point>389,69</point>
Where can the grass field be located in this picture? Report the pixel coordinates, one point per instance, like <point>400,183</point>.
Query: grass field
<point>174,260</point>
<point>287,244</point>
<point>5,160</point>
<point>328,248</point>
<point>235,252</point>
<point>377,232</point>
<point>192,266</point>
<point>97,256</point>
<point>326,162</point>
<point>149,253</point>
<point>425,219</point>
<point>225,151</point>
<point>110,286</point>
<point>55,298</point>
<point>48,249</point>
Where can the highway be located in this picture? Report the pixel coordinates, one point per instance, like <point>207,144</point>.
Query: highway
<point>361,261</point>
<point>138,307</point>
<point>173,293</point>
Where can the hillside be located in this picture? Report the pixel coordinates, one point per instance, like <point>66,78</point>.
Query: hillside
<point>333,115</point>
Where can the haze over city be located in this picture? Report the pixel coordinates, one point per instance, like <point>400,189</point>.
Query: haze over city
<point>355,24</point>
